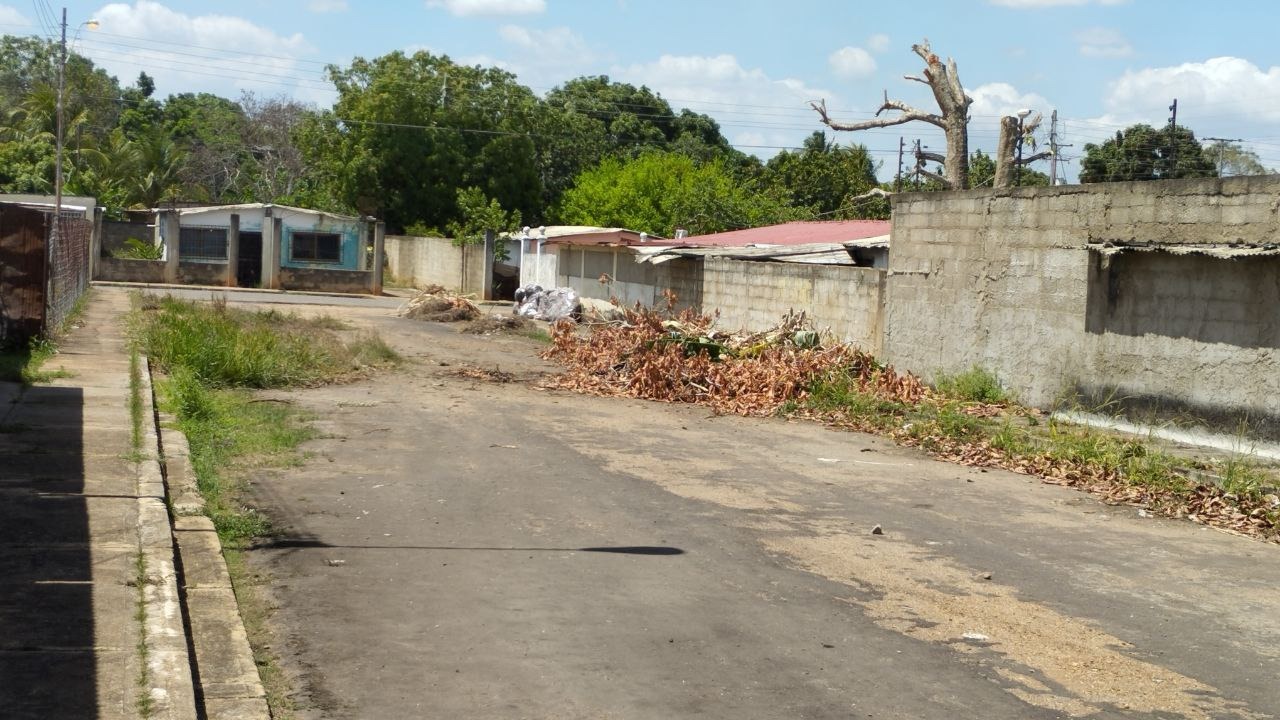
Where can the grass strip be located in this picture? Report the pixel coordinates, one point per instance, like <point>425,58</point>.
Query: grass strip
<point>213,359</point>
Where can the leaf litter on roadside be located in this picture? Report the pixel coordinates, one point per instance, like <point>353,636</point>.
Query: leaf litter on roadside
<point>683,358</point>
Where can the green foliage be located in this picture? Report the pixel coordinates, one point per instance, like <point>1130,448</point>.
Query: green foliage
<point>222,347</point>
<point>1231,159</point>
<point>824,176</point>
<point>982,173</point>
<point>659,192</point>
<point>480,215</point>
<point>1141,152</point>
<point>977,384</point>
<point>137,249</point>
<point>379,165</point>
<point>24,363</point>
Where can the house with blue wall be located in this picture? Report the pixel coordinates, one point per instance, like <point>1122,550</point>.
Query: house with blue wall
<point>265,245</point>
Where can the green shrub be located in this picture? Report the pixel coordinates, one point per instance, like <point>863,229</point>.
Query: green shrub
<point>136,249</point>
<point>977,384</point>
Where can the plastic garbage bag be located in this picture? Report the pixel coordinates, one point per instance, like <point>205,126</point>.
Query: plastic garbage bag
<point>550,305</point>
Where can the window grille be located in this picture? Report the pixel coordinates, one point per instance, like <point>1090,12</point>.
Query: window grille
<point>202,243</point>
<point>316,247</point>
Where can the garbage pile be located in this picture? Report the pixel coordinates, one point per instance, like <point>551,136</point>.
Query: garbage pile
<point>532,301</point>
<point>652,355</point>
<point>434,304</point>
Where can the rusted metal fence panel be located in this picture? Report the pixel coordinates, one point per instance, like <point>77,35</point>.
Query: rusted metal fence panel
<point>40,281</point>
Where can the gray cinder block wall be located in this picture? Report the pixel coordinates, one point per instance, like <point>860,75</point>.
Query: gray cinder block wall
<point>1004,279</point>
<point>842,299</point>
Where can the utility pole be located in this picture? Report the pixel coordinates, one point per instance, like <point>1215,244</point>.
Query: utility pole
<point>897,184</point>
<point>1053,148</point>
<point>56,235</point>
<point>1222,148</point>
<point>917,173</point>
<point>1173,136</point>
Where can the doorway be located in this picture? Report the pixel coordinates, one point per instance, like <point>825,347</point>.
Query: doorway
<point>249,267</point>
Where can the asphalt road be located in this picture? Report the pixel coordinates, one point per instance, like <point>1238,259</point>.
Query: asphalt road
<point>464,549</point>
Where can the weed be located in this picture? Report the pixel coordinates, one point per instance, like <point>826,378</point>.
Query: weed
<point>138,249</point>
<point>538,334</point>
<point>235,348</point>
<point>370,349</point>
<point>956,425</point>
<point>1241,475</point>
<point>145,703</point>
<point>228,432</point>
<point>977,384</point>
<point>135,400</point>
<point>24,364</point>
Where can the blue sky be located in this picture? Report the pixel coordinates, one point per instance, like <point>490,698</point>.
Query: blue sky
<point>751,64</point>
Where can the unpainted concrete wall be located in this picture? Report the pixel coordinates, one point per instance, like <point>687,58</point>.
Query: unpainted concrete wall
<point>1003,279</point>
<point>123,270</point>
<point>114,233</point>
<point>845,300</point>
<point>341,281</point>
<point>421,261</point>
<point>202,273</point>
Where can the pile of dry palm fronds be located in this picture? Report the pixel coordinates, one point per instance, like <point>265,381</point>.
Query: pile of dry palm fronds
<point>683,359</point>
<point>435,305</point>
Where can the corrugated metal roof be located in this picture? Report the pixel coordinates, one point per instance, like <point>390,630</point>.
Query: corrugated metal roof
<point>810,253</point>
<point>1221,251</point>
<point>805,232</point>
<point>256,206</point>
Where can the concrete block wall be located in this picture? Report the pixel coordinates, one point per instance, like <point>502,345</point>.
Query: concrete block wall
<point>845,300</point>
<point>1002,278</point>
<point>421,261</point>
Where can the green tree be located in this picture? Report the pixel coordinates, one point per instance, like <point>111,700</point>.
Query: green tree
<point>481,214</point>
<point>826,178</point>
<point>1231,159</point>
<point>408,131</point>
<point>982,173</point>
<point>659,192</point>
<point>208,131</point>
<point>28,82</point>
<point>1141,152</point>
<point>588,119</point>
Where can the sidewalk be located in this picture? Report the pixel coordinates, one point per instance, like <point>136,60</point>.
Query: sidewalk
<point>86,550</point>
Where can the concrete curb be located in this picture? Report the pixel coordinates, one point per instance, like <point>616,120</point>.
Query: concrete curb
<point>171,689</point>
<point>224,666</point>
<point>223,288</point>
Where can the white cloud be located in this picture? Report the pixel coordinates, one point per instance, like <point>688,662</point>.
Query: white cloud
<point>251,57</point>
<point>721,87</point>
<point>878,43</point>
<point>543,58</point>
<point>328,6</point>
<point>464,8</point>
<point>852,62</point>
<point>1103,43</point>
<point>995,100</point>
<point>1222,87</point>
<point>1020,4</point>
<point>10,17</point>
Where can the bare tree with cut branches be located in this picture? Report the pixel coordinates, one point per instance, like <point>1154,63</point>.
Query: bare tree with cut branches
<point>952,117</point>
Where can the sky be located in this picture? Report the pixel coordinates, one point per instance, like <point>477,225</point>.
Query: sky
<point>753,65</point>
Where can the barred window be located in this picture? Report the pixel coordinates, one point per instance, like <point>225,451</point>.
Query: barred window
<point>316,247</point>
<point>202,243</point>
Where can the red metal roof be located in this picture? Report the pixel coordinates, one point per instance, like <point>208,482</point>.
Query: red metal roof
<point>801,232</point>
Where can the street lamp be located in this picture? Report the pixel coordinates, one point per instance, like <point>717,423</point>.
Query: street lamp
<point>1022,116</point>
